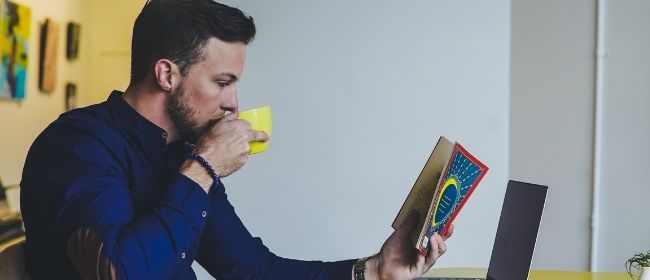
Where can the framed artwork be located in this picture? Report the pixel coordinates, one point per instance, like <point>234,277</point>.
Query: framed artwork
<point>70,96</point>
<point>48,59</point>
<point>72,42</point>
<point>15,24</point>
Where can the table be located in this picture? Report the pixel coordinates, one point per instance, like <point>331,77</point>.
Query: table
<point>534,274</point>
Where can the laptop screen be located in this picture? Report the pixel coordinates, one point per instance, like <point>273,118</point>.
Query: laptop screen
<point>517,231</point>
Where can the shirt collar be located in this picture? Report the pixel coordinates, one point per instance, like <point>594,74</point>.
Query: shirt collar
<point>134,123</point>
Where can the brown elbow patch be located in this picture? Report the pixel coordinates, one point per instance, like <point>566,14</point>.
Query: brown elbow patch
<point>85,254</point>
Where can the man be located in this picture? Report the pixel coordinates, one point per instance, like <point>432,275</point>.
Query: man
<point>130,188</point>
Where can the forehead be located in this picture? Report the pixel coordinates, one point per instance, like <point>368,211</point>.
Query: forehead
<point>222,57</point>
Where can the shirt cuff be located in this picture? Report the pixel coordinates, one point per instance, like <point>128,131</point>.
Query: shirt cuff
<point>340,269</point>
<point>191,199</point>
<point>217,192</point>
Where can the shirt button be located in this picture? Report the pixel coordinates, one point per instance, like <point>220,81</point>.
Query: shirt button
<point>204,214</point>
<point>183,255</point>
<point>164,135</point>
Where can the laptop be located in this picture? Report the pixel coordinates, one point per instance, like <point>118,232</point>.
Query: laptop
<point>517,233</point>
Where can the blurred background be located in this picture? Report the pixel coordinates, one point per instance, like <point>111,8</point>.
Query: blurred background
<point>552,92</point>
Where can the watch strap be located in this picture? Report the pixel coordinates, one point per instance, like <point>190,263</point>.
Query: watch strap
<point>360,269</point>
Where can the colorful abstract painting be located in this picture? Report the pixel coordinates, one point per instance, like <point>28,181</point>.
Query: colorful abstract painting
<point>15,21</point>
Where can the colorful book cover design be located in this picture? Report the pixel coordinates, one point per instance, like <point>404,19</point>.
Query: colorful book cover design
<point>461,176</point>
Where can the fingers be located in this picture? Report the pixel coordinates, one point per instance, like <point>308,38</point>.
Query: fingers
<point>258,136</point>
<point>434,251</point>
<point>449,232</point>
<point>437,248</point>
<point>252,135</point>
<point>225,118</point>
<point>442,246</point>
<point>241,129</point>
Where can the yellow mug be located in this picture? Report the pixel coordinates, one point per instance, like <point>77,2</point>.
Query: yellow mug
<point>260,119</point>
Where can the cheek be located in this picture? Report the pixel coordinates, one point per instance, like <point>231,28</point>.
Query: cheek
<point>208,92</point>
<point>207,99</point>
<point>199,93</point>
<point>207,107</point>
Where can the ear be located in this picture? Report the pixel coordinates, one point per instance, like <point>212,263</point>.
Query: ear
<point>165,73</point>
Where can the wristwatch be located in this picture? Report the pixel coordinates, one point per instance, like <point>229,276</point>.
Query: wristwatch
<point>360,269</point>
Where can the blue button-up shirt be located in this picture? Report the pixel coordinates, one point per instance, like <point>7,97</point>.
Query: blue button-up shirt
<point>102,198</point>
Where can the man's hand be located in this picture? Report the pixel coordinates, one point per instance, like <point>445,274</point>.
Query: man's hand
<point>225,145</point>
<point>398,259</point>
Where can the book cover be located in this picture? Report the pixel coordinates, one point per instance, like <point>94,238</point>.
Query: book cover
<point>446,182</point>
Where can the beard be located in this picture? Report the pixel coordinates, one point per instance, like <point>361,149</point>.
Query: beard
<point>182,115</point>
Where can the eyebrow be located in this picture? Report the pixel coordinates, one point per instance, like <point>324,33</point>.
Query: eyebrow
<point>233,77</point>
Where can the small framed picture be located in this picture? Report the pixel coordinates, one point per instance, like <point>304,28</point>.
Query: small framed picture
<point>72,42</point>
<point>48,58</point>
<point>70,96</point>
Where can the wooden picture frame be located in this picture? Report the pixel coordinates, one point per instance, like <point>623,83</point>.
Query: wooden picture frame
<point>48,56</point>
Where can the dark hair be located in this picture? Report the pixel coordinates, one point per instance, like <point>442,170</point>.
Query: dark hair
<point>179,29</point>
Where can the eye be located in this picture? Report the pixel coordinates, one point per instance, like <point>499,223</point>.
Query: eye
<point>223,84</point>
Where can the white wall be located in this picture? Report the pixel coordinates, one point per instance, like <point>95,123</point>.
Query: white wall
<point>551,121</point>
<point>625,227</point>
<point>360,92</point>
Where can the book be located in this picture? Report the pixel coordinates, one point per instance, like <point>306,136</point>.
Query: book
<point>446,182</point>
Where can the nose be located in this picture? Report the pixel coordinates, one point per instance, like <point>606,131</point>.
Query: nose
<point>231,103</point>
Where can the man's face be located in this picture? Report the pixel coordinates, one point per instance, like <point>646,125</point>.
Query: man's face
<point>208,90</point>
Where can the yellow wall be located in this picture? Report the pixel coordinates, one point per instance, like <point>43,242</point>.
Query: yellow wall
<point>103,65</point>
<point>111,45</point>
